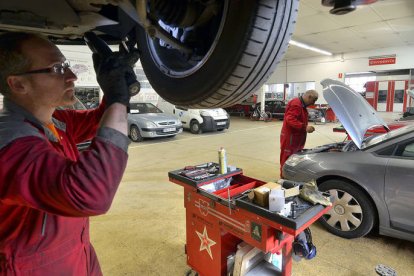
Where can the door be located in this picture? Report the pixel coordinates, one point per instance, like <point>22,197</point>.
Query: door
<point>382,96</point>
<point>399,187</point>
<point>399,88</point>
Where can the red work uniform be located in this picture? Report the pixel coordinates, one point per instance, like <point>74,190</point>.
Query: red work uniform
<point>48,189</point>
<point>293,134</point>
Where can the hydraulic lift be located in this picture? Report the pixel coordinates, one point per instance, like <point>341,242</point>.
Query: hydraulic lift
<point>218,220</point>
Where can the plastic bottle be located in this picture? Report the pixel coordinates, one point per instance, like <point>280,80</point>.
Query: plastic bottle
<point>222,160</point>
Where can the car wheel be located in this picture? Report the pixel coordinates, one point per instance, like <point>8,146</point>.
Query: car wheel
<point>352,214</point>
<point>195,127</point>
<point>233,50</point>
<point>135,134</point>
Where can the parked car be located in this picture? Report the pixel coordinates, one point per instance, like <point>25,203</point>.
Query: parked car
<point>182,43</point>
<point>369,178</point>
<point>241,109</point>
<point>408,114</point>
<point>198,120</point>
<point>276,107</point>
<point>145,120</point>
<point>315,115</point>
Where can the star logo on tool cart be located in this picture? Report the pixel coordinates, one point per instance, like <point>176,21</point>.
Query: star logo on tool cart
<point>206,242</point>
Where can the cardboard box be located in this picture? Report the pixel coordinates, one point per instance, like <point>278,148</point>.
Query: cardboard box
<point>246,258</point>
<point>292,191</point>
<point>260,195</point>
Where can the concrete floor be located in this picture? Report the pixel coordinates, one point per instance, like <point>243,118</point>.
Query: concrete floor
<point>144,232</point>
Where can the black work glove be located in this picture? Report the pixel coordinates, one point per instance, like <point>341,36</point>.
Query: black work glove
<point>113,73</point>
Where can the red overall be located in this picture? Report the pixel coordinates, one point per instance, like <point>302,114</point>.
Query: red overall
<point>48,190</point>
<point>293,134</point>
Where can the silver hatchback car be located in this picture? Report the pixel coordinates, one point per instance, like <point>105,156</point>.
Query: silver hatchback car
<point>145,120</point>
<point>370,178</point>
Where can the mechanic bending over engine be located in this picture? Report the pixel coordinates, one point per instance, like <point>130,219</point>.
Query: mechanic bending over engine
<point>295,126</point>
<point>47,188</point>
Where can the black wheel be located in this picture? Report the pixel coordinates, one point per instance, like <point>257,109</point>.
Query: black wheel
<point>254,116</point>
<point>195,127</point>
<point>233,50</point>
<point>353,215</point>
<point>267,116</point>
<point>135,134</point>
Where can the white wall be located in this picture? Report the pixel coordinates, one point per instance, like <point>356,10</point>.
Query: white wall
<point>319,68</point>
<point>81,57</point>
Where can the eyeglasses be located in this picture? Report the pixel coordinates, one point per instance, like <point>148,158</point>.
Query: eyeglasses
<point>59,69</point>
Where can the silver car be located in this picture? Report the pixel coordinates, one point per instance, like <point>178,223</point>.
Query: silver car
<point>145,120</point>
<point>371,179</point>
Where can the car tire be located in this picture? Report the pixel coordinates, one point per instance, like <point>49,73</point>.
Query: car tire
<point>248,39</point>
<point>195,127</point>
<point>268,117</point>
<point>135,134</point>
<point>353,214</point>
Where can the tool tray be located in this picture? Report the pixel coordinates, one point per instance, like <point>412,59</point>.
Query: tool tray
<point>235,196</point>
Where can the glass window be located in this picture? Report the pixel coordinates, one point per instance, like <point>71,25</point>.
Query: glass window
<point>182,108</point>
<point>382,96</point>
<point>399,96</point>
<point>358,83</point>
<point>387,151</point>
<point>143,108</point>
<point>406,150</point>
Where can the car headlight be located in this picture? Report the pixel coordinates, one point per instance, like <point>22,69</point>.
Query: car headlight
<point>296,159</point>
<point>150,125</point>
<point>204,113</point>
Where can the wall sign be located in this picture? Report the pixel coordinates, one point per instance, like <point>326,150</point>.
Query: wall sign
<point>382,60</point>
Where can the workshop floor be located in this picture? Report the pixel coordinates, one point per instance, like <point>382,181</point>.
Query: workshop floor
<point>144,231</point>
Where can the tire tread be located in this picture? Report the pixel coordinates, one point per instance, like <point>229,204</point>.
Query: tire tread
<point>274,41</point>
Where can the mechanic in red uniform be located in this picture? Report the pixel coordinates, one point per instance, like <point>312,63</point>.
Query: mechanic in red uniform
<point>47,188</point>
<point>295,126</point>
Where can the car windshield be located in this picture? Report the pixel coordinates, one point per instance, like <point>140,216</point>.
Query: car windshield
<point>143,108</point>
<point>375,139</point>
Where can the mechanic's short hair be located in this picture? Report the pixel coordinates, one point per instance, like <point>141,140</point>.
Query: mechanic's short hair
<point>312,93</point>
<point>12,59</point>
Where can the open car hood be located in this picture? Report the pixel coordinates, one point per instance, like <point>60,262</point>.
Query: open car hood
<point>352,110</point>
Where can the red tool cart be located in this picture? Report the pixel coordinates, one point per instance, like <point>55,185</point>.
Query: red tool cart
<point>217,221</point>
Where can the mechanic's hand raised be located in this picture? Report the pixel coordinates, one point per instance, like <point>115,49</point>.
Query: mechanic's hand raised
<point>112,72</point>
<point>310,129</point>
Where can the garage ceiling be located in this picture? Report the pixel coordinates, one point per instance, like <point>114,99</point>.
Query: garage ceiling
<point>386,23</point>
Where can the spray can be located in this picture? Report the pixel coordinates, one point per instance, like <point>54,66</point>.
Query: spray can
<point>222,160</point>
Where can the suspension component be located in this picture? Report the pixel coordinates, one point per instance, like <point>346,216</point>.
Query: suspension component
<point>176,13</point>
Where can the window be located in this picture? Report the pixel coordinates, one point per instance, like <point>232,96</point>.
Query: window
<point>382,96</point>
<point>358,82</point>
<point>406,150</point>
<point>399,96</point>
<point>387,151</point>
<point>143,108</point>
<point>182,108</point>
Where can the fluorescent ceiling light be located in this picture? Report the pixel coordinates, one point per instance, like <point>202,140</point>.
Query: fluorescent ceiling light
<point>360,73</point>
<point>305,46</point>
